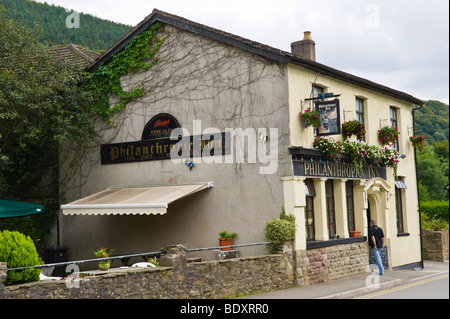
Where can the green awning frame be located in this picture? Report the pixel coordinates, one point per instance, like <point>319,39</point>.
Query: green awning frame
<point>10,209</point>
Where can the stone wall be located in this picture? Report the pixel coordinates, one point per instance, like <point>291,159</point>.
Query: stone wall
<point>210,279</point>
<point>435,244</point>
<point>204,280</point>
<point>331,263</point>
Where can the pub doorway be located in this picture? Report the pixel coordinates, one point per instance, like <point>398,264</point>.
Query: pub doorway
<point>373,211</point>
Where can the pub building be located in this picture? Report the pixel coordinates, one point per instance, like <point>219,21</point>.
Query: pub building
<point>242,156</point>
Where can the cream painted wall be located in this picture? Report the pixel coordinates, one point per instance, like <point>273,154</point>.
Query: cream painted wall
<point>404,249</point>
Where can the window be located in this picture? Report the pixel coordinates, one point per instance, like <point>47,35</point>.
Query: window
<point>394,124</point>
<point>350,205</point>
<point>316,91</point>
<point>331,216</point>
<point>309,210</point>
<point>399,186</point>
<point>360,112</point>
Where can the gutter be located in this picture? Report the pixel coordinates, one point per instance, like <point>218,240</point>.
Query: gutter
<point>417,184</point>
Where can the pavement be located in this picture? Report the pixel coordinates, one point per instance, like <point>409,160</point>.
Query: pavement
<point>359,285</point>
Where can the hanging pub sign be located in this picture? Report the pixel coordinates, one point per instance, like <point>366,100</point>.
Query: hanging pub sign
<point>329,117</point>
<point>157,145</point>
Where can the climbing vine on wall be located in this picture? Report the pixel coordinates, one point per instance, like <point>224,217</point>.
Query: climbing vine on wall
<point>138,55</point>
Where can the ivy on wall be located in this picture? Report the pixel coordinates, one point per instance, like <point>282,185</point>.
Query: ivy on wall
<point>138,55</point>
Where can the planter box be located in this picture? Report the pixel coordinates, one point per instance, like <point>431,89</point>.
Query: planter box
<point>355,233</point>
<point>226,242</point>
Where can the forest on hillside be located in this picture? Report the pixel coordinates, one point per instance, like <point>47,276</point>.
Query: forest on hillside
<point>93,33</point>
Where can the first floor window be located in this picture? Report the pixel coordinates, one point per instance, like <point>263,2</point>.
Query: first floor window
<point>350,205</point>
<point>309,210</point>
<point>331,216</point>
<point>399,210</point>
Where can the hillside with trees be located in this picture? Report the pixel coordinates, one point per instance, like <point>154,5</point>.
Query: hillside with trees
<point>432,121</point>
<point>93,33</point>
<point>432,161</point>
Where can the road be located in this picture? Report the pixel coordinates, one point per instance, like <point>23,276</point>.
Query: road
<point>428,287</point>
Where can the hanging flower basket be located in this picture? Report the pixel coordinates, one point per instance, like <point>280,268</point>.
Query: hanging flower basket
<point>390,158</point>
<point>418,141</point>
<point>353,128</point>
<point>309,118</point>
<point>388,135</point>
<point>356,153</point>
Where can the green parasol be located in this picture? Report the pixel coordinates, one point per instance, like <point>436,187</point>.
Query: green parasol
<point>9,209</point>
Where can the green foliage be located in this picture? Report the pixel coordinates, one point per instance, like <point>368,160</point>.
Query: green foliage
<point>225,234</point>
<point>279,230</point>
<point>93,33</point>
<point>435,209</point>
<point>432,120</point>
<point>138,55</point>
<point>353,128</point>
<point>388,135</point>
<point>432,172</point>
<point>433,223</point>
<point>102,252</point>
<point>18,250</point>
<point>41,108</point>
<point>286,216</point>
<point>310,117</point>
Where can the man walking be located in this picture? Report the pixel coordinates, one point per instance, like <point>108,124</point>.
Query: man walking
<point>376,243</point>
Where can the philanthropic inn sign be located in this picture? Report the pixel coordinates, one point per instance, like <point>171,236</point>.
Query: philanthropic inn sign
<point>337,170</point>
<point>157,144</point>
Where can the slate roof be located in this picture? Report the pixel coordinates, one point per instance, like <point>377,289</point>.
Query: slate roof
<point>73,53</point>
<point>248,45</point>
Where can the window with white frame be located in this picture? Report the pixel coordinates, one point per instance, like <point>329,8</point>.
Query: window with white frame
<point>360,112</point>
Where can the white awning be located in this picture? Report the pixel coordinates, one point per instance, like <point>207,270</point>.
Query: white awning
<point>400,184</point>
<point>132,201</point>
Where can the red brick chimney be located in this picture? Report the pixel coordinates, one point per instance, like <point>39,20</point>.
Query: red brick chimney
<point>305,48</point>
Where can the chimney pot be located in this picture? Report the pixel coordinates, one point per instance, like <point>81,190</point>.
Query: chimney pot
<point>307,35</point>
<point>305,48</point>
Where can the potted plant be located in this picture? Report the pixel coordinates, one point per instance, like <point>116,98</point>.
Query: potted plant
<point>354,233</point>
<point>353,128</point>
<point>226,239</point>
<point>309,117</point>
<point>388,135</point>
<point>103,253</point>
<point>418,141</point>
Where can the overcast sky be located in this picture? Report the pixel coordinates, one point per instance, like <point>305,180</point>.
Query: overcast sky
<point>403,44</point>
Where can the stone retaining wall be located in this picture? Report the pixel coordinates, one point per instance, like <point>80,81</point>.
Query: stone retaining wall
<point>326,264</point>
<point>435,244</point>
<point>211,279</point>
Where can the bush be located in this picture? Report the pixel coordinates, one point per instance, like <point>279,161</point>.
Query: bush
<point>435,209</point>
<point>18,250</point>
<point>279,230</point>
<point>433,223</point>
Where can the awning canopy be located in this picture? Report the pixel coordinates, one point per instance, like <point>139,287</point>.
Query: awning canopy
<point>132,201</point>
<point>9,209</point>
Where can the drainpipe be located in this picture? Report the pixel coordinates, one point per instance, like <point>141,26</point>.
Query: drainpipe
<point>417,185</point>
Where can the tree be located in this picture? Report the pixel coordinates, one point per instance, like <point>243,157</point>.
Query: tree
<point>432,173</point>
<point>42,106</point>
